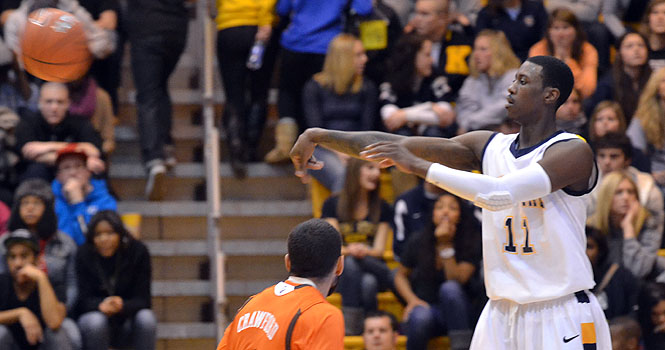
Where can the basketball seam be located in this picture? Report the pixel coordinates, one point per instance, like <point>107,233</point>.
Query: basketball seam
<point>55,64</point>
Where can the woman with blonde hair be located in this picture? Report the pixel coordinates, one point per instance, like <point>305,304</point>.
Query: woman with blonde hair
<point>633,234</point>
<point>565,40</point>
<point>339,98</point>
<point>482,98</point>
<point>647,129</point>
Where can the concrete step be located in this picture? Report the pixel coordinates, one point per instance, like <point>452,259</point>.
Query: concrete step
<point>182,309</point>
<point>174,268</point>
<point>181,288</point>
<point>263,182</point>
<point>238,247</point>
<point>230,208</point>
<point>194,228</point>
<point>189,330</point>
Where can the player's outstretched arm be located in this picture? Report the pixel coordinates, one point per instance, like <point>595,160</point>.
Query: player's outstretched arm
<point>461,152</point>
<point>350,143</point>
<point>569,165</point>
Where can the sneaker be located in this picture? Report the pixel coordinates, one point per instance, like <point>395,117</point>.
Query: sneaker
<point>154,187</point>
<point>169,156</point>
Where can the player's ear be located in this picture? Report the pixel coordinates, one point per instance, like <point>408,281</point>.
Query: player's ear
<point>340,266</point>
<point>551,95</point>
<point>287,262</point>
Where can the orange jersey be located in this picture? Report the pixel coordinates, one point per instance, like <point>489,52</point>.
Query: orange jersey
<point>286,316</point>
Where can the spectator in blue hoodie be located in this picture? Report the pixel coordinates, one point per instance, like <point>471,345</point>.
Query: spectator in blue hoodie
<point>77,195</point>
<point>304,42</point>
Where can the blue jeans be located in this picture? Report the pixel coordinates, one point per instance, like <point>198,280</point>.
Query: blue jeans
<point>451,313</point>
<point>139,332</point>
<point>53,340</point>
<point>361,280</point>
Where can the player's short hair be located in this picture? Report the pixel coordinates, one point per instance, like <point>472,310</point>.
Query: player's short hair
<point>314,247</point>
<point>381,313</point>
<point>614,140</point>
<point>556,74</point>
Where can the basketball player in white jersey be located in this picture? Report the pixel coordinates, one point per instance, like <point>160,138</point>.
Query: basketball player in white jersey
<point>531,187</point>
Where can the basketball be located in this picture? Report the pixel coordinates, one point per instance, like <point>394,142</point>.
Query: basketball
<point>54,46</point>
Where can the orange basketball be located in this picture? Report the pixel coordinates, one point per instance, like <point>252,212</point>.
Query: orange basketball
<point>54,46</point>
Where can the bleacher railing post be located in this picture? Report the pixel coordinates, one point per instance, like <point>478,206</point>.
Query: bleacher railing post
<point>211,152</point>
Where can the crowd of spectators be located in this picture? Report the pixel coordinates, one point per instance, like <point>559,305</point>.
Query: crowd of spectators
<point>435,68</point>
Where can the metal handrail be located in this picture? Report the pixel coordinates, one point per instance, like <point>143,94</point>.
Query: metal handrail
<point>213,183</point>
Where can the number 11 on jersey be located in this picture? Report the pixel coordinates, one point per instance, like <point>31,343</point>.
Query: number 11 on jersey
<point>510,246</point>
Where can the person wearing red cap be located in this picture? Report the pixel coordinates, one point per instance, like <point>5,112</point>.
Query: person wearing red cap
<point>77,195</point>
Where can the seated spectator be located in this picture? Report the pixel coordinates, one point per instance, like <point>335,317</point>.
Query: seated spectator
<point>33,210</point>
<point>363,220</point>
<point>625,82</point>
<point>40,136</point>
<point>451,45</point>
<point>78,196</point>
<point>9,158</point>
<point>651,315</point>
<point>626,333</point>
<point>413,210</point>
<point>647,129</point>
<point>613,153</point>
<point>414,99</point>
<point>633,234</point>
<point>91,102</point>
<point>339,98</point>
<point>16,91</point>
<point>30,313</point>
<point>607,118</point>
<point>588,12</point>
<point>570,117</point>
<point>114,283</point>
<point>436,274</point>
<point>616,288</point>
<point>380,331</point>
<point>482,100</point>
<point>655,32</point>
<point>565,40</point>
<point>523,22</point>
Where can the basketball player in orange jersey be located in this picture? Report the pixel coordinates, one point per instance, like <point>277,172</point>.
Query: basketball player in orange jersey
<point>531,187</point>
<point>294,314</point>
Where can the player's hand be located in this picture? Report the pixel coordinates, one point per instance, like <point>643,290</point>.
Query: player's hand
<point>302,156</point>
<point>389,153</point>
<point>33,330</point>
<point>396,120</point>
<point>410,306</point>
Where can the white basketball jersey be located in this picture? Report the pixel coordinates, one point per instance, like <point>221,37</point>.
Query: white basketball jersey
<point>536,250</point>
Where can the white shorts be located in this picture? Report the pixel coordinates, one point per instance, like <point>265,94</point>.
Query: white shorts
<point>571,322</point>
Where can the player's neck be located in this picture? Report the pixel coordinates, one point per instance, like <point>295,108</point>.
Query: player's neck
<point>533,134</point>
